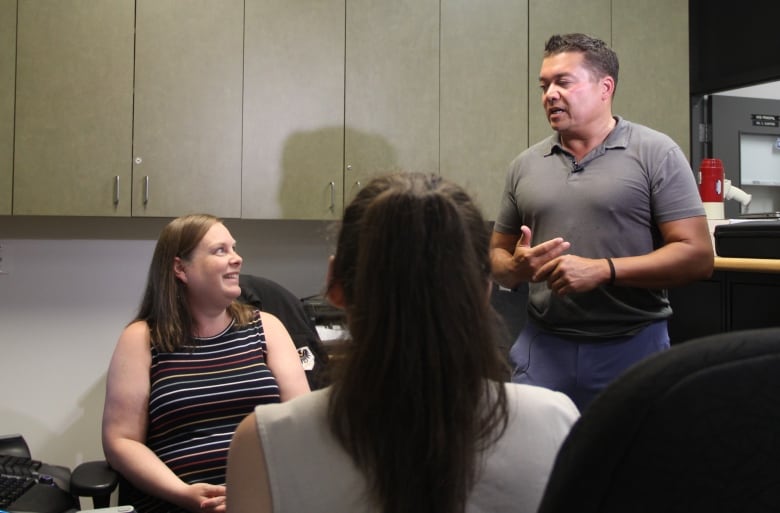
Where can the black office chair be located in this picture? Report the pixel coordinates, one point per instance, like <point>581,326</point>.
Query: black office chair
<point>97,480</point>
<point>692,429</point>
<point>269,296</point>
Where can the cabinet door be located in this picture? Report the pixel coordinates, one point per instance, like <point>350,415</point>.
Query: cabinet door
<point>549,17</point>
<point>7,76</point>
<point>484,107</point>
<point>698,309</point>
<point>392,89</point>
<point>73,107</point>
<point>293,154</point>
<point>752,300</point>
<point>651,40</point>
<point>187,124</point>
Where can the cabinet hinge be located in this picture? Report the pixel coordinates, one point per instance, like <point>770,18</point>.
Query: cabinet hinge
<point>705,132</point>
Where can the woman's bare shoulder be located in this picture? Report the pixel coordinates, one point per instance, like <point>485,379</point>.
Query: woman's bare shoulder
<point>135,337</point>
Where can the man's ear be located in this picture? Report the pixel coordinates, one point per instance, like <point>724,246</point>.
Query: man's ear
<point>179,269</point>
<point>335,291</point>
<point>607,87</point>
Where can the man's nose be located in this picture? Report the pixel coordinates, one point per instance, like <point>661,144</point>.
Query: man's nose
<point>550,94</point>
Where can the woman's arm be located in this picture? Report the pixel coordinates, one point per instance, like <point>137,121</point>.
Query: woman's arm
<point>125,416</point>
<point>283,358</point>
<point>247,475</point>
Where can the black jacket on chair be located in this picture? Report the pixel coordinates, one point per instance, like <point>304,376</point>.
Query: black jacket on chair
<point>269,296</point>
<point>693,429</point>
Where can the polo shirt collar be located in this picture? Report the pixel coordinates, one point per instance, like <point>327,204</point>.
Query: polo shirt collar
<point>617,138</point>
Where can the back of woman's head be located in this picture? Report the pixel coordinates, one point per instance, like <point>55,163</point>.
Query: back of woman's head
<point>164,305</point>
<point>419,393</point>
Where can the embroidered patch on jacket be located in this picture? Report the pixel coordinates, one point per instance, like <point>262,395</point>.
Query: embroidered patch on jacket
<point>307,357</point>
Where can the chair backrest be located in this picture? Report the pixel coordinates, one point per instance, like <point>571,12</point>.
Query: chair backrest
<point>14,445</point>
<point>269,296</point>
<point>695,428</point>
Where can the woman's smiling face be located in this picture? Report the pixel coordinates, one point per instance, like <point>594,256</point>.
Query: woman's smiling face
<point>211,272</point>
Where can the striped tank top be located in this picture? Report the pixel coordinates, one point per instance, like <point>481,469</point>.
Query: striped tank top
<point>198,396</point>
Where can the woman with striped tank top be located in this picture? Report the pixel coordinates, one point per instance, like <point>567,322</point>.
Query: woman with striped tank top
<point>190,366</point>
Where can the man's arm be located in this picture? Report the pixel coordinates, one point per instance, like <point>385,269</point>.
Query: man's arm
<point>687,255</point>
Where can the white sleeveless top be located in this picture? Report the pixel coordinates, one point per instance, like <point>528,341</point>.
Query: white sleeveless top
<point>309,472</point>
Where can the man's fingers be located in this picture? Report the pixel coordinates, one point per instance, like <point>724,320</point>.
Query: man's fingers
<point>551,248</point>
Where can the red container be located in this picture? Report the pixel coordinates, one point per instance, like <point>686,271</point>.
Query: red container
<point>711,180</point>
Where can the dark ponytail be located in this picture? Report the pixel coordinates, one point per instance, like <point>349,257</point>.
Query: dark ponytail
<point>420,394</point>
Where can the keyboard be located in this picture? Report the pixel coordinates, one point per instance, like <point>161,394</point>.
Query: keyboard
<point>18,466</point>
<point>24,489</point>
<point>17,475</point>
<point>13,487</point>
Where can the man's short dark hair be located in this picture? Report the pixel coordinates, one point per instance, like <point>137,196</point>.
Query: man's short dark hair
<point>600,59</point>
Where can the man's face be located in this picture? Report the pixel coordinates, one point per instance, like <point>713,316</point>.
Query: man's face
<point>572,96</point>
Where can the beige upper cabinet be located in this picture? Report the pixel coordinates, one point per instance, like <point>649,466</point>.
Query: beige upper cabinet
<point>188,107</point>
<point>651,40</point>
<point>484,94</point>
<point>74,97</point>
<point>283,109</point>
<point>391,89</point>
<point>350,90</point>
<point>88,144</point>
<point>549,17</point>
<point>7,78</point>
<point>293,151</point>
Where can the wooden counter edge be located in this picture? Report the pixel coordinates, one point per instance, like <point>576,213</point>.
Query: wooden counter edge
<point>758,265</point>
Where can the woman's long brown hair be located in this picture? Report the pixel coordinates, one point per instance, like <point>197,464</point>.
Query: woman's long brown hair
<point>164,305</point>
<point>420,392</point>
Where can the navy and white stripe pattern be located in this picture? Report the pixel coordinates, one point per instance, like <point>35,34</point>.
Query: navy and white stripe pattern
<point>198,397</point>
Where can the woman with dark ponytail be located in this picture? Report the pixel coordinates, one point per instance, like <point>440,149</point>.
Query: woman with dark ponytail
<point>419,417</point>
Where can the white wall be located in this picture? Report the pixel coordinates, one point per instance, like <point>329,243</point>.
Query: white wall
<point>769,90</point>
<point>72,285</point>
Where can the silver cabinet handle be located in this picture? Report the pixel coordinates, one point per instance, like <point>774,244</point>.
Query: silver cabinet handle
<point>146,190</point>
<point>116,190</point>
<point>332,207</point>
<point>358,184</point>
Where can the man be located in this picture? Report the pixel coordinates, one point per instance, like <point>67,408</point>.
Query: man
<point>600,218</point>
